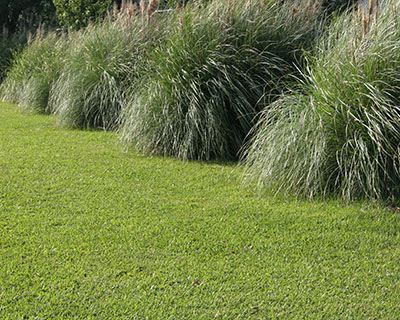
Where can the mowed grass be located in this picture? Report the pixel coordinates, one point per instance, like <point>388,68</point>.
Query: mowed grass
<point>90,232</point>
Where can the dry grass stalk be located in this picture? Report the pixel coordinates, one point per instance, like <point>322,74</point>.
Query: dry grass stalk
<point>39,32</point>
<point>180,22</point>
<point>377,8</point>
<point>359,11</point>
<point>369,16</point>
<point>371,6</point>
<point>357,16</point>
<point>29,38</point>
<point>228,6</point>
<point>69,33</point>
<point>153,5</point>
<point>371,9</point>
<point>142,7</point>
<point>132,11</point>
<point>128,9</point>
<point>311,5</point>
<point>115,10</point>
<point>5,31</point>
<point>365,22</point>
<point>123,6</point>
<point>181,4</point>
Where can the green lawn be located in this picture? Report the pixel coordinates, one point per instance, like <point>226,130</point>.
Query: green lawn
<point>88,231</point>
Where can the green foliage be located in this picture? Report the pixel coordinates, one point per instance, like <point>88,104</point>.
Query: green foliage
<point>90,232</point>
<point>341,133</point>
<point>34,71</point>
<point>199,97</point>
<point>78,13</point>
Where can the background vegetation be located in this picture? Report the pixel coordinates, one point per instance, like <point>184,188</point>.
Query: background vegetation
<point>76,14</point>
<point>15,15</point>
<point>18,21</point>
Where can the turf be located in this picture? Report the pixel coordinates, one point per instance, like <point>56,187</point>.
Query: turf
<point>88,231</point>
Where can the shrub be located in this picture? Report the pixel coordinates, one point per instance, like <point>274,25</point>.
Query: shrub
<point>340,134</point>
<point>76,14</point>
<point>199,97</point>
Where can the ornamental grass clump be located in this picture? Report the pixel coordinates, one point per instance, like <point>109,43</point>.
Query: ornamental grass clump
<point>33,72</point>
<point>104,60</point>
<point>339,134</point>
<point>206,81</point>
<point>9,43</point>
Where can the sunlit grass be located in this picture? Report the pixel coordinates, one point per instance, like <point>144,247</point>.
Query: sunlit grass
<point>88,231</point>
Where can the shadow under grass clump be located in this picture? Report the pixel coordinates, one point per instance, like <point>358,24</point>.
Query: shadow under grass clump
<point>339,134</point>
<point>33,71</point>
<point>205,83</point>
<point>104,60</point>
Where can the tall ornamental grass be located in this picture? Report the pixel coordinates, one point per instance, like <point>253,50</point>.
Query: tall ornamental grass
<point>105,59</point>
<point>33,71</point>
<point>8,45</point>
<point>340,132</point>
<point>206,82</point>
